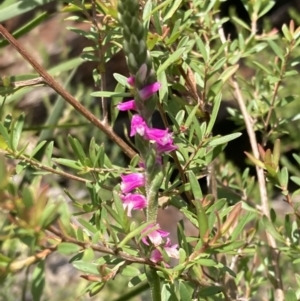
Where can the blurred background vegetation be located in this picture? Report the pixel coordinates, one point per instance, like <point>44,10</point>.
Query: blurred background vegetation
<point>56,34</point>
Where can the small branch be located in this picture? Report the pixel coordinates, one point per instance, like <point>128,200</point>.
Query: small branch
<point>105,128</point>
<point>41,166</point>
<point>101,65</point>
<point>275,92</point>
<point>21,83</point>
<point>102,249</point>
<point>275,253</point>
<point>17,266</point>
<point>279,295</point>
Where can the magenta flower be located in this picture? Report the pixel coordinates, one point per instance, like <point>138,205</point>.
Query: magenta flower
<point>169,147</point>
<point>133,201</point>
<point>131,81</point>
<point>138,125</point>
<point>155,236</point>
<point>171,251</point>
<point>163,138</point>
<point>149,90</point>
<point>127,105</point>
<point>159,136</point>
<point>132,181</point>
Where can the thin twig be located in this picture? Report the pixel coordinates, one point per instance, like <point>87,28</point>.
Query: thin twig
<point>101,248</point>
<point>275,92</point>
<point>40,166</point>
<point>21,83</point>
<point>101,65</point>
<point>279,295</point>
<point>105,128</point>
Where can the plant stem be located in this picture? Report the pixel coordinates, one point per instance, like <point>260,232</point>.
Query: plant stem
<point>154,282</point>
<point>49,80</point>
<point>275,253</point>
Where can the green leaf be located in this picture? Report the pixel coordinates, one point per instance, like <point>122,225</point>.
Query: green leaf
<point>224,139</point>
<point>276,49</point>
<point>267,5</point>
<point>27,197</point>
<point>77,148</point>
<point>38,281</point>
<point>130,271</point>
<point>147,14</point>
<point>68,248</point>
<point>184,292</point>
<point>174,7</point>
<point>228,72</point>
<point>207,262</point>
<point>88,225</point>
<point>69,163</point>
<point>296,180</point>
<point>182,256</point>
<point>171,59</point>
<point>37,148</point>
<point>49,214</point>
<point>17,132</point>
<point>134,233</point>
<point>210,291</point>
<point>214,114</point>
<point>263,67</point>
<point>284,178</point>
<point>215,89</point>
<point>5,136</point>
<point>240,22</point>
<point>287,33</point>
<point>202,49</point>
<point>245,219</point>
<point>121,79</point>
<point>110,94</point>
<point>86,267</point>
<point>202,219</point>
<point>168,293</point>
<point>290,295</point>
<point>271,229</point>
<point>19,8</point>
<point>27,27</point>
<point>48,153</point>
<point>196,189</point>
<point>191,117</point>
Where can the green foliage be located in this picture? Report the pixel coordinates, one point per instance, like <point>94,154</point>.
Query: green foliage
<point>231,243</point>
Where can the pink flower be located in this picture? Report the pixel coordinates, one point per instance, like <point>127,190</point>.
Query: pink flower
<point>163,139</point>
<point>159,136</point>
<point>138,125</point>
<point>132,181</point>
<point>134,201</point>
<point>171,251</point>
<point>131,81</point>
<point>149,90</point>
<point>155,236</point>
<point>127,105</point>
<point>169,147</point>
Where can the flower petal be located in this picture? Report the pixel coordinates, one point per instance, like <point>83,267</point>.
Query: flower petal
<point>138,125</point>
<point>131,81</point>
<point>158,135</point>
<point>134,201</point>
<point>169,147</point>
<point>155,236</point>
<point>171,250</point>
<point>149,90</point>
<point>127,105</point>
<point>132,181</point>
